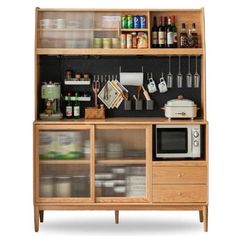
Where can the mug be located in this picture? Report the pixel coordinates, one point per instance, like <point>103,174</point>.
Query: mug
<point>162,85</point>
<point>151,86</point>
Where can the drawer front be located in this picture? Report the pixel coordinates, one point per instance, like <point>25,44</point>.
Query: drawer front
<point>179,193</point>
<point>179,175</point>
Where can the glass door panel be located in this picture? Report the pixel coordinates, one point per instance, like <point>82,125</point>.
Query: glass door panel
<point>64,158</point>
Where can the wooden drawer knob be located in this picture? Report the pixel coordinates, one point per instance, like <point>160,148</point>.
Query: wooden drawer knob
<point>180,193</point>
<point>180,175</point>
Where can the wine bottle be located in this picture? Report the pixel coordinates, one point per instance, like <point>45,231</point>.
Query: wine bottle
<point>69,107</point>
<point>194,35</point>
<point>165,26</point>
<point>161,34</point>
<point>154,33</point>
<point>175,34</point>
<point>169,35</point>
<point>76,107</point>
<point>183,37</point>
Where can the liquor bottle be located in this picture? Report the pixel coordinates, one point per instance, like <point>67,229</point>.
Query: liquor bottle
<point>161,34</point>
<point>175,34</point>
<point>76,107</point>
<point>154,33</point>
<point>165,26</point>
<point>169,35</point>
<point>69,107</point>
<point>183,37</point>
<point>194,35</point>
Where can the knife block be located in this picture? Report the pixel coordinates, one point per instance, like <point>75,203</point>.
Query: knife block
<point>94,113</point>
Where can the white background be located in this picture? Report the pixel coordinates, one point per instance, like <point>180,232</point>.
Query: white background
<point>16,114</point>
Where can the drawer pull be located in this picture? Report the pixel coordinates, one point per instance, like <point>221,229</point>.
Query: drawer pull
<point>180,175</point>
<point>180,194</point>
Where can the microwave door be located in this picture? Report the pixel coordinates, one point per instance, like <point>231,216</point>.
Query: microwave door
<point>172,142</point>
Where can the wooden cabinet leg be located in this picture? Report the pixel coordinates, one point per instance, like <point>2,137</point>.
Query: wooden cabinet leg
<point>201,216</point>
<point>36,219</point>
<point>117,217</point>
<point>41,216</point>
<point>205,218</point>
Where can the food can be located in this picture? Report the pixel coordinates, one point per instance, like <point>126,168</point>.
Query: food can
<point>129,40</point>
<point>143,22</point>
<point>123,40</point>
<point>136,22</point>
<point>106,42</point>
<point>130,22</point>
<point>134,40</point>
<point>124,22</point>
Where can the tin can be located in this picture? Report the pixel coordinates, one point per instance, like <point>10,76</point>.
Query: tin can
<point>130,22</point>
<point>124,22</point>
<point>134,40</point>
<point>123,40</point>
<point>143,22</point>
<point>136,22</point>
<point>129,40</point>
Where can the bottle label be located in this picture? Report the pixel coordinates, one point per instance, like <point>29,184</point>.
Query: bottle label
<point>77,111</point>
<point>69,111</point>
<point>170,38</point>
<point>175,37</point>
<point>161,37</point>
<point>154,37</point>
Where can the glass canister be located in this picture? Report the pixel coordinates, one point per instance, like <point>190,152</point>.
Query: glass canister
<point>80,186</point>
<point>63,186</point>
<point>46,186</point>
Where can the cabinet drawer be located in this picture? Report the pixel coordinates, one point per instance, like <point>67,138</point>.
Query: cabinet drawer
<point>179,193</point>
<point>179,174</point>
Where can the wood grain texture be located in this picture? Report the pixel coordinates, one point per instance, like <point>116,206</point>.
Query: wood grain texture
<point>179,175</point>
<point>179,193</point>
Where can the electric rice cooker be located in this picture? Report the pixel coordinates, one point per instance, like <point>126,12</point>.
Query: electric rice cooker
<point>180,108</point>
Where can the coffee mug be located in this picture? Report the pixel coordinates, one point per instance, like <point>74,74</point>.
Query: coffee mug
<point>151,86</point>
<point>162,85</point>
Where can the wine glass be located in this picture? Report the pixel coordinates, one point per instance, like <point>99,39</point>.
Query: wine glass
<point>179,76</point>
<point>196,77</point>
<point>189,76</point>
<point>169,76</point>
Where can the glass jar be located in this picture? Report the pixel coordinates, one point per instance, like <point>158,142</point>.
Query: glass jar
<point>46,186</point>
<point>63,186</point>
<point>80,186</point>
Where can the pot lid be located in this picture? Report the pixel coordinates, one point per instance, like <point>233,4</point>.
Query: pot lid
<point>180,102</point>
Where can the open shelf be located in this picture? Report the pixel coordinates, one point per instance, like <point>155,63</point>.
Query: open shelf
<point>115,51</point>
<point>134,30</point>
<point>78,29</point>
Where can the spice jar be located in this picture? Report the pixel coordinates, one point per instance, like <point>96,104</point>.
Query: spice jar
<point>63,186</point>
<point>46,186</point>
<point>77,76</point>
<point>68,74</point>
<point>86,76</point>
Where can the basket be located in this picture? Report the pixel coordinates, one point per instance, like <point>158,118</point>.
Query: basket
<point>94,113</point>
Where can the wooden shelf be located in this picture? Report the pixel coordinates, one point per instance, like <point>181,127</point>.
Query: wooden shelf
<point>78,29</point>
<point>62,162</point>
<point>134,30</point>
<point>115,51</point>
<point>121,162</point>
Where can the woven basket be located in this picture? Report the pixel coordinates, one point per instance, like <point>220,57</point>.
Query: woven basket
<point>94,113</point>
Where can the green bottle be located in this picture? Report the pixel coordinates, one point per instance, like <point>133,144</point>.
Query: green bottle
<point>76,108</point>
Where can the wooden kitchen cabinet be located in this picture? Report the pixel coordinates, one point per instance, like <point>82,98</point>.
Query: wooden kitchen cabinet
<point>110,164</point>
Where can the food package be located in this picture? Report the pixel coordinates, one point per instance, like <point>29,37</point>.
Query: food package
<point>142,40</point>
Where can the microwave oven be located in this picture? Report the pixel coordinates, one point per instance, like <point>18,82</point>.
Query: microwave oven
<point>178,141</point>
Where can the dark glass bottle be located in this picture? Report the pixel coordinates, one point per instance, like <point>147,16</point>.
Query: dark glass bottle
<point>183,37</point>
<point>169,35</point>
<point>154,33</point>
<point>165,26</point>
<point>175,34</point>
<point>76,107</point>
<point>194,35</point>
<point>161,34</point>
<point>69,113</point>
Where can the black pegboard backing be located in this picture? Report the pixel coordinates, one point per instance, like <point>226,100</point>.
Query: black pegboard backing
<point>53,68</point>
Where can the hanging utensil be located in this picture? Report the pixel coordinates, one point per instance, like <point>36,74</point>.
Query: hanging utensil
<point>196,77</point>
<point>96,88</point>
<point>169,76</point>
<point>179,76</point>
<point>189,76</point>
<point>139,89</point>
